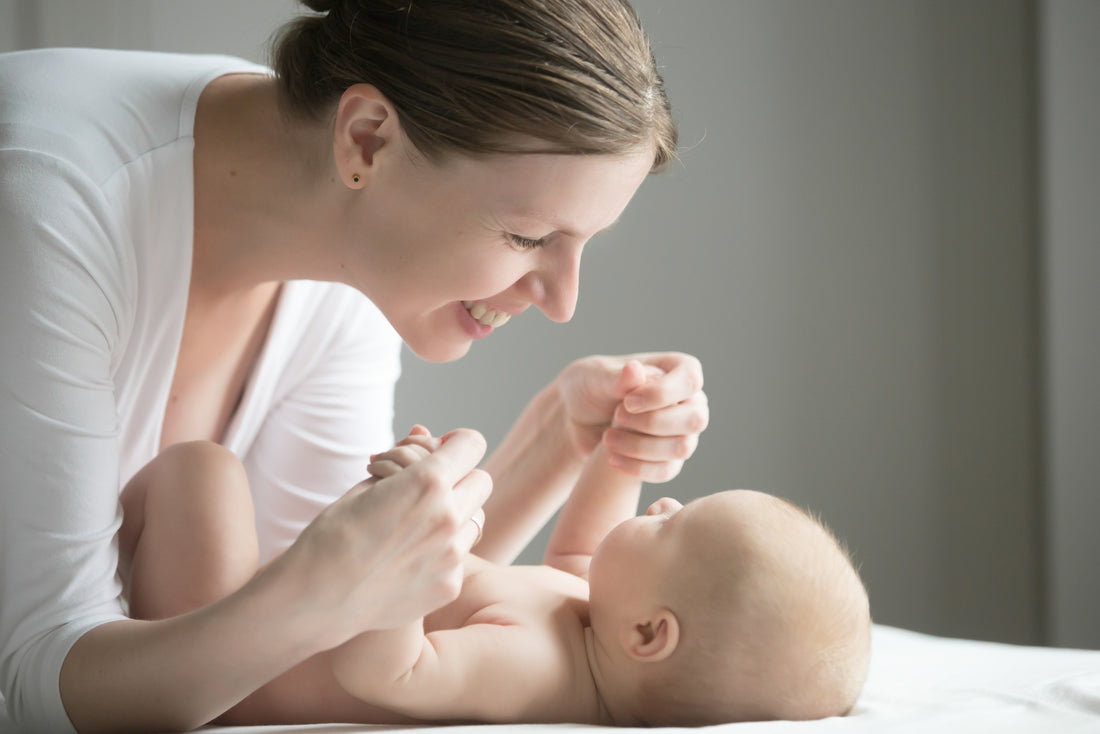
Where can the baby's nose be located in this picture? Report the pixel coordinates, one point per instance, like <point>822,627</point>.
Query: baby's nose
<point>664,505</point>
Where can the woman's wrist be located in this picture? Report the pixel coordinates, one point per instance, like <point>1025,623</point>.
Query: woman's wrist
<point>558,428</point>
<point>278,586</point>
<point>533,470</point>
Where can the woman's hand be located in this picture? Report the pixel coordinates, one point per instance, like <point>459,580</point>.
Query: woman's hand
<point>647,409</point>
<point>391,549</point>
<point>419,444</point>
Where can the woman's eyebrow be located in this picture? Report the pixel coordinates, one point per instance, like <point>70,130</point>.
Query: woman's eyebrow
<point>539,217</point>
<point>574,235</point>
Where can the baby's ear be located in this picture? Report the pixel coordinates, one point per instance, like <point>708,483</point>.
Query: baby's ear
<point>654,639</point>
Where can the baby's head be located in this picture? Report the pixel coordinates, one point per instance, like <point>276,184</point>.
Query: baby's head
<point>736,607</point>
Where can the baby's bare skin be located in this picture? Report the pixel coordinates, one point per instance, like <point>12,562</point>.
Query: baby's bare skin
<point>547,612</point>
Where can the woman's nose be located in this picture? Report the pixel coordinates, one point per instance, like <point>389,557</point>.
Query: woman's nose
<point>561,284</point>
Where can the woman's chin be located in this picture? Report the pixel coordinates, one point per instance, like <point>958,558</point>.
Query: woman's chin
<point>435,350</point>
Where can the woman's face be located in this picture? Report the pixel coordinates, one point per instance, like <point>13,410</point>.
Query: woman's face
<point>447,251</point>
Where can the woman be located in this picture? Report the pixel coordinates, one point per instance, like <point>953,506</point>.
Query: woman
<point>187,243</point>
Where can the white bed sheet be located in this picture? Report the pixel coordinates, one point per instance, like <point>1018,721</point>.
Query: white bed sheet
<point>917,683</point>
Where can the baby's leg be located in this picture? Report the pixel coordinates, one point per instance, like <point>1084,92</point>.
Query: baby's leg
<point>188,535</point>
<point>188,539</point>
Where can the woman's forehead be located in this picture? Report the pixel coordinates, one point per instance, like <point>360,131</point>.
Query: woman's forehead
<point>575,195</point>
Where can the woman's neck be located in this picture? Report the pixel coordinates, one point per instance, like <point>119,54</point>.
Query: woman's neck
<point>260,191</point>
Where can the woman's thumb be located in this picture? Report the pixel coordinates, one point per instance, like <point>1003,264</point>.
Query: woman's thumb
<point>631,377</point>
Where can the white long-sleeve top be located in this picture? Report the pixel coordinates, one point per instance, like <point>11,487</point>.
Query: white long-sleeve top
<point>96,209</point>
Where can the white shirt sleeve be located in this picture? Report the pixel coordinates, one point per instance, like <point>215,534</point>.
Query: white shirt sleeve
<point>64,308</point>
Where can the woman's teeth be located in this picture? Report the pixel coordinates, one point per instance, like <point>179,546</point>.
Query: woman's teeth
<point>485,315</point>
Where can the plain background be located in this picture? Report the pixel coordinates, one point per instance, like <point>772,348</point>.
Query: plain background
<point>881,240</point>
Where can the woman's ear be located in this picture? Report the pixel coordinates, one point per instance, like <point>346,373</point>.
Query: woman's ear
<point>366,122</point>
<point>654,639</point>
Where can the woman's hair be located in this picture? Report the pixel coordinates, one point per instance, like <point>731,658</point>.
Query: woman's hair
<point>486,76</point>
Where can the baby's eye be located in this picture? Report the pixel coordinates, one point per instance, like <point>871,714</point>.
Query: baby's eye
<point>526,243</point>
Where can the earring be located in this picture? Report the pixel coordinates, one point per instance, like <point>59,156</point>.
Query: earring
<point>355,177</point>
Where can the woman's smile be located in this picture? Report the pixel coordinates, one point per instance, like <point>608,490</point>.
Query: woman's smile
<point>486,315</point>
<point>456,261</point>
<point>478,320</point>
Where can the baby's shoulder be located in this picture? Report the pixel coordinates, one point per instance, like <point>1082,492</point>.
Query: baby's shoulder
<point>535,596</point>
<point>545,612</point>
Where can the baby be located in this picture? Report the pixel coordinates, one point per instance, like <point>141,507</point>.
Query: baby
<point>738,606</point>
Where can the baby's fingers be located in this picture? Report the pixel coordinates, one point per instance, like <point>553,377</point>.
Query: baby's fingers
<point>431,443</point>
<point>390,462</point>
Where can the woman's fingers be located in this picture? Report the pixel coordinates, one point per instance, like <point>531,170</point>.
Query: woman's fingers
<point>648,471</point>
<point>470,533</point>
<point>396,544</point>
<point>458,455</point>
<point>643,447</point>
<point>654,444</point>
<point>468,497</point>
<point>682,379</point>
<point>689,416</point>
<point>657,425</point>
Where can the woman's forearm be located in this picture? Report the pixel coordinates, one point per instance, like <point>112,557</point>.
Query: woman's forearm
<point>533,471</point>
<point>178,674</point>
<point>385,553</point>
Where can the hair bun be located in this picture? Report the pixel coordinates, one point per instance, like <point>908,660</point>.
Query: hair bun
<point>321,6</point>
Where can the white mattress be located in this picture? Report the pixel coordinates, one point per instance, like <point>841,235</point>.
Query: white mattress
<point>918,683</point>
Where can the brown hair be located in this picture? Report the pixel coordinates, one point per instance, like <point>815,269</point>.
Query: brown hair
<point>486,76</point>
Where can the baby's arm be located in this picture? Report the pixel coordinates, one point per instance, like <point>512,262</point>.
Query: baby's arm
<point>602,498</point>
<point>488,672</point>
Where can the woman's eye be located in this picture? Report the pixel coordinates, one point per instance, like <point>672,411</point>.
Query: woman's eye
<point>526,243</point>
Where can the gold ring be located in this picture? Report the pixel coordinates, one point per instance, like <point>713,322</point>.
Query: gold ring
<point>473,519</point>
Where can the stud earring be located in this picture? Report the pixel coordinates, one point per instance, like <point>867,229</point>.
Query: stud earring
<point>355,177</point>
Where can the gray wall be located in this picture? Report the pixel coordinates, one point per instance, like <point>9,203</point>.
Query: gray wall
<point>1071,284</point>
<point>851,245</point>
<point>848,246</point>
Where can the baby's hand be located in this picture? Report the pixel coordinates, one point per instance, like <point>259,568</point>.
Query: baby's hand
<point>417,445</point>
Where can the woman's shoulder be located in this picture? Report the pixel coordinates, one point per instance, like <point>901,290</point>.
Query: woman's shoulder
<point>53,72</point>
<point>100,109</point>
